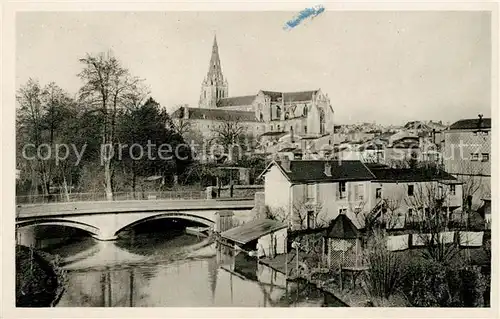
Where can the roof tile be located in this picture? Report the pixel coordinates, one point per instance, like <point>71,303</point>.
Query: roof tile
<point>471,124</point>
<point>314,171</point>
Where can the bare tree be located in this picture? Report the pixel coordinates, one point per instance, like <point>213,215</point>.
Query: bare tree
<point>229,134</point>
<point>108,88</point>
<point>431,219</point>
<point>300,215</point>
<point>181,125</point>
<point>29,125</point>
<point>43,116</point>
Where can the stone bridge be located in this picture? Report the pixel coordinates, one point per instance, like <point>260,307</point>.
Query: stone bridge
<point>104,220</point>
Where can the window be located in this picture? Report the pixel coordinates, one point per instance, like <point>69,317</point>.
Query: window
<point>410,212</point>
<point>342,190</point>
<point>475,157</point>
<point>342,211</point>
<point>359,192</point>
<point>305,129</point>
<point>278,127</point>
<point>410,190</point>
<point>357,210</point>
<point>310,219</point>
<point>378,193</point>
<point>485,157</point>
<point>453,190</point>
<point>272,128</point>
<point>311,192</point>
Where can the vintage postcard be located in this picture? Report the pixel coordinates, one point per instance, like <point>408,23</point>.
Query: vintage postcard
<point>196,159</point>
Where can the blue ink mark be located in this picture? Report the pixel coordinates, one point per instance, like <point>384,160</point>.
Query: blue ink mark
<point>304,14</point>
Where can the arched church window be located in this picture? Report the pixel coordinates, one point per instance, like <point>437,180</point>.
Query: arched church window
<point>322,121</point>
<point>261,117</point>
<point>278,112</point>
<point>304,112</point>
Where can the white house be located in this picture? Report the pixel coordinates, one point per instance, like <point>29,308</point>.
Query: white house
<point>311,193</point>
<point>404,188</point>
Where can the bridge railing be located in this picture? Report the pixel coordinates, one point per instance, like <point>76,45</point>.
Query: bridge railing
<point>117,196</point>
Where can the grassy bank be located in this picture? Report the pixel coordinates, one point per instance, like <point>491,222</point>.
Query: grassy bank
<point>38,280</point>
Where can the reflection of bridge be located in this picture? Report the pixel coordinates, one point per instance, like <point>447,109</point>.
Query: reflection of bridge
<point>103,220</point>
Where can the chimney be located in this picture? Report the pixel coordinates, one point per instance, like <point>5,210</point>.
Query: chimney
<point>328,168</point>
<point>285,163</point>
<point>480,122</point>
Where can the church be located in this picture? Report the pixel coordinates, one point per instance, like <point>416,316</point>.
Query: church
<point>302,114</point>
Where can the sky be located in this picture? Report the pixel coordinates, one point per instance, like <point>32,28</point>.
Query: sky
<point>384,67</point>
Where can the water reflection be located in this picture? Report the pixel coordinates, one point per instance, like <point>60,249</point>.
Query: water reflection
<point>175,270</point>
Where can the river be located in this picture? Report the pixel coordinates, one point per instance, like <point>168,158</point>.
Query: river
<point>175,270</point>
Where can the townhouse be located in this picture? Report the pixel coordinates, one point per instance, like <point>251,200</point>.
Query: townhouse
<point>310,193</point>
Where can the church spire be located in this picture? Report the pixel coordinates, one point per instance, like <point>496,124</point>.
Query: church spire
<point>214,87</point>
<point>214,74</point>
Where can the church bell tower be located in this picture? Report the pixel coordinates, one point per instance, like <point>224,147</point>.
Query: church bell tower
<point>214,87</point>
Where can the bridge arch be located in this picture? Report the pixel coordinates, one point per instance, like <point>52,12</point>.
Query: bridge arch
<point>172,215</point>
<point>60,222</point>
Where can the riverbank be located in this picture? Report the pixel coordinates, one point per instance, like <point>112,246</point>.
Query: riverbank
<point>287,264</point>
<point>39,279</point>
<point>328,281</point>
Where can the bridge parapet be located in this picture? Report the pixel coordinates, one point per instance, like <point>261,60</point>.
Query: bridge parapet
<point>104,220</point>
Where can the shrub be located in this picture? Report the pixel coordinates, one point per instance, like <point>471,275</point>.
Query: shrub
<point>429,283</point>
<point>472,287</point>
<point>386,269</point>
<point>425,283</point>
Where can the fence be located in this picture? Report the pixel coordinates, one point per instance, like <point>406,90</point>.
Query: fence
<point>117,196</point>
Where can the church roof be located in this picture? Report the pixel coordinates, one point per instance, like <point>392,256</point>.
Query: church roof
<point>290,96</point>
<point>236,100</point>
<point>215,114</point>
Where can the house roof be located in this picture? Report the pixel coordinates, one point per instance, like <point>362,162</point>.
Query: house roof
<point>342,227</point>
<point>314,171</point>
<point>215,114</point>
<point>252,230</point>
<point>420,174</point>
<point>467,124</point>
<point>290,96</point>
<point>236,100</point>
